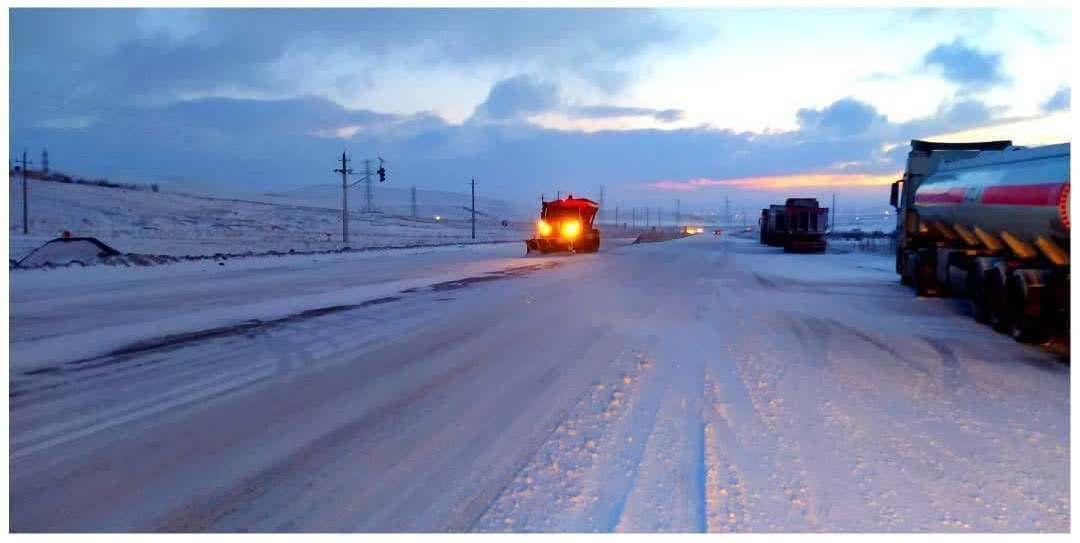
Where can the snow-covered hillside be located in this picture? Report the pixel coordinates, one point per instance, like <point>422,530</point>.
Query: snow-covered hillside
<point>309,219</point>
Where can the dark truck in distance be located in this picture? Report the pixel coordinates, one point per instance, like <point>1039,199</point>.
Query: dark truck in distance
<point>988,221</point>
<point>799,226</point>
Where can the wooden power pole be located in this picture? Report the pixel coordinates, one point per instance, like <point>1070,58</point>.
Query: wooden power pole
<point>344,171</point>
<point>25,208</point>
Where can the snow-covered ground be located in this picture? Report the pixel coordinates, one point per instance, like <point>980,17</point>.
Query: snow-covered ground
<point>701,384</point>
<point>177,224</point>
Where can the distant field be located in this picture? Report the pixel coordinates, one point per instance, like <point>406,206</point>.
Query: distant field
<point>177,224</point>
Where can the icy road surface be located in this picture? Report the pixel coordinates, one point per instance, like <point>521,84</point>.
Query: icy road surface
<point>694,385</point>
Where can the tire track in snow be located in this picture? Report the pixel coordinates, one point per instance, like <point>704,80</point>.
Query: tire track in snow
<point>631,437</point>
<point>781,386</point>
<point>667,492</point>
<point>930,449</point>
<point>950,364</point>
<point>725,495</point>
<point>582,446</point>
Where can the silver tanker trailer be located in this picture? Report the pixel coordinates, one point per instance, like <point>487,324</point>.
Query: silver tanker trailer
<point>990,222</point>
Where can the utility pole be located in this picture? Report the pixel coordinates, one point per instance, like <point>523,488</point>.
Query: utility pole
<point>25,209</point>
<point>678,212</point>
<point>646,217</point>
<point>659,224</point>
<point>367,182</point>
<point>344,170</point>
<point>616,215</point>
<point>600,212</point>
<point>473,185</point>
<point>44,161</point>
<point>413,201</point>
<point>727,212</point>
<point>558,195</point>
<point>833,221</point>
<point>633,217</point>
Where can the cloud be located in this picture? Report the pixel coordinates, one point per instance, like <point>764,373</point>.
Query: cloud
<point>96,59</point>
<point>1059,101</point>
<point>844,117</point>
<point>949,117</point>
<point>607,112</point>
<point>517,97</point>
<point>966,66</point>
<point>881,77</point>
<point>282,143</point>
<point>521,96</point>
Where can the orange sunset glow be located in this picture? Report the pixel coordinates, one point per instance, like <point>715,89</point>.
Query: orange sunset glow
<point>831,180</point>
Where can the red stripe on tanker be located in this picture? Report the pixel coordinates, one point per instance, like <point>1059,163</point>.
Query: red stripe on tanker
<point>950,196</point>
<point>1039,194</point>
<point>1063,206</point>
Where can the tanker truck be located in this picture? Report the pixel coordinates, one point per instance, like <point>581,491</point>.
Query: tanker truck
<point>988,221</point>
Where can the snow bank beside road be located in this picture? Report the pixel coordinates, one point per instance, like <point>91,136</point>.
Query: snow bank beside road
<point>53,259</point>
<point>61,315</point>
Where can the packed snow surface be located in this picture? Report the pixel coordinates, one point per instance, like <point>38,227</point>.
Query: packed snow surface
<point>701,384</point>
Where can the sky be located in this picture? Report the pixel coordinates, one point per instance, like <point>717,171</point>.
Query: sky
<point>693,105</point>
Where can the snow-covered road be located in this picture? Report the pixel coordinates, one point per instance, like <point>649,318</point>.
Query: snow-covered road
<point>702,384</point>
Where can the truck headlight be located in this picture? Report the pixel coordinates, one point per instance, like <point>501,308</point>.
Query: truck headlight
<point>570,229</point>
<point>543,227</point>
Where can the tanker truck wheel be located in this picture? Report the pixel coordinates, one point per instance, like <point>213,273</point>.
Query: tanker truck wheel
<point>976,285</point>
<point>995,298</point>
<point>902,268</point>
<point>926,283</point>
<point>1026,323</point>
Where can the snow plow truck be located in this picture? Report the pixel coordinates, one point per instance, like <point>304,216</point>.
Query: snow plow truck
<point>989,222</point>
<point>566,225</point>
